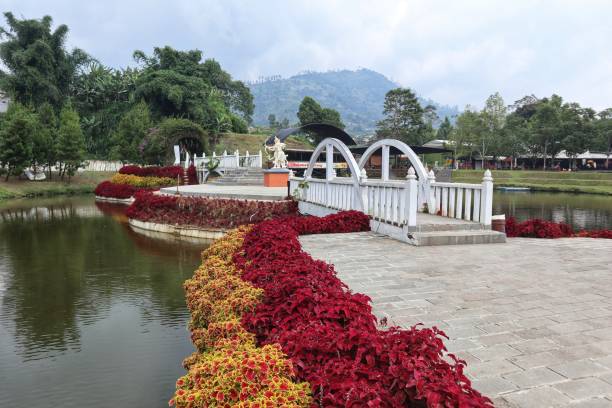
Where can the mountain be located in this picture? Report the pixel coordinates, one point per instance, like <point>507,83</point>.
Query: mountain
<point>358,96</point>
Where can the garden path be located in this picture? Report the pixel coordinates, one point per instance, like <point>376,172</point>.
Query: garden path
<point>532,318</point>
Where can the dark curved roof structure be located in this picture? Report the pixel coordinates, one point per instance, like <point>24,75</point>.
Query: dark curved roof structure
<point>322,129</point>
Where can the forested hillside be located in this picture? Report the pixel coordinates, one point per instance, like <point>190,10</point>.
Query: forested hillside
<point>358,96</point>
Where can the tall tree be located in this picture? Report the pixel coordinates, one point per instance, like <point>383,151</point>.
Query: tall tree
<point>18,126</point>
<point>493,119</point>
<point>44,147</point>
<point>176,84</point>
<point>544,126</point>
<point>71,143</point>
<point>468,130</point>
<point>131,133</point>
<point>577,130</point>
<point>444,130</point>
<point>310,111</point>
<point>604,133</point>
<point>40,69</point>
<point>403,117</point>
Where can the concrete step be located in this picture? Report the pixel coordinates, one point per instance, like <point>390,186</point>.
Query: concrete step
<point>431,238</point>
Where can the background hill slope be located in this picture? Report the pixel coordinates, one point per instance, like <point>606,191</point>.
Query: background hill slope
<point>358,96</point>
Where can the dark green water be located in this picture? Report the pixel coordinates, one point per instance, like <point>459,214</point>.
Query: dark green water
<point>582,211</point>
<point>91,313</point>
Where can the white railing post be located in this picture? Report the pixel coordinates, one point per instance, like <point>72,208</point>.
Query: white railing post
<point>237,155</point>
<point>363,191</point>
<point>411,202</point>
<point>260,165</point>
<point>431,194</point>
<point>486,199</point>
<point>384,166</point>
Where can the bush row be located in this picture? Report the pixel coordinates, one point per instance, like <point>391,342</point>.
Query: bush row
<point>153,171</point>
<point>536,228</point>
<point>228,369</point>
<point>332,336</point>
<point>112,190</point>
<point>145,182</point>
<point>206,212</point>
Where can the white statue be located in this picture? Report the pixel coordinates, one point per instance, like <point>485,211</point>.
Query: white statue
<point>280,158</point>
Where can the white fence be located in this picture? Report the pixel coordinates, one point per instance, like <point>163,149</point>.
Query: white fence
<point>471,202</point>
<point>232,161</point>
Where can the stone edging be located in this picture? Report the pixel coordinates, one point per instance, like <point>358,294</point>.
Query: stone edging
<point>177,230</point>
<point>127,201</point>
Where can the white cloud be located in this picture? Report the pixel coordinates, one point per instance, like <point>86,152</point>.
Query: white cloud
<point>456,52</point>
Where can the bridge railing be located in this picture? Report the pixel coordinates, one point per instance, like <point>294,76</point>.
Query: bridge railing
<point>392,202</point>
<point>233,160</point>
<point>471,202</point>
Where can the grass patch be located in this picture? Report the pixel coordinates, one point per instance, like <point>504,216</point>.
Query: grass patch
<point>82,183</point>
<point>253,143</point>
<point>570,182</point>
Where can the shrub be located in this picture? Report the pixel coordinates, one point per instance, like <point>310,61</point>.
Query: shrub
<point>206,212</point>
<point>153,171</point>
<point>137,181</point>
<point>112,190</point>
<point>537,228</point>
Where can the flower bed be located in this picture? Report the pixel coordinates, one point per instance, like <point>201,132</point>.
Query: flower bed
<point>536,228</point>
<point>153,171</point>
<point>284,298</point>
<point>112,190</point>
<point>142,182</point>
<point>205,212</point>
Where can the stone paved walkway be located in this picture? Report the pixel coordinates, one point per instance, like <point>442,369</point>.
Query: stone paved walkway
<point>533,318</point>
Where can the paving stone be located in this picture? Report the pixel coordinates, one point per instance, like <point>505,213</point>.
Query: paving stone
<point>578,369</point>
<point>538,398</point>
<point>496,352</point>
<point>493,385</point>
<point>585,388</point>
<point>592,403</point>
<point>534,377</point>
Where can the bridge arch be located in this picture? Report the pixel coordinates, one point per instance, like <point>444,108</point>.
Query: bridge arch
<point>329,144</point>
<point>419,168</point>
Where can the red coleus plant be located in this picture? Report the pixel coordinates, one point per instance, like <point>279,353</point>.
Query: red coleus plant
<point>331,335</point>
<point>205,212</point>
<point>536,228</point>
<point>153,171</point>
<point>112,190</point>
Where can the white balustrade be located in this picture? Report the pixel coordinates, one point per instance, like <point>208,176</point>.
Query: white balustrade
<point>471,202</point>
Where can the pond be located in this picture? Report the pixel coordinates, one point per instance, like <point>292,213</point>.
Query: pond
<point>91,313</point>
<point>582,211</point>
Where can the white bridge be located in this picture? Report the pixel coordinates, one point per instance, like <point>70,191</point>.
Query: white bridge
<point>417,210</point>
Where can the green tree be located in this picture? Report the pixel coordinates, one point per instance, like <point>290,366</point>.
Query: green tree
<point>71,143</point>
<point>544,126</point>
<point>310,111</point>
<point>157,147</point>
<point>444,130</point>
<point>44,149</point>
<point>272,121</point>
<point>489,141</point>
<point>130,134</point>
<point>468,129</point>
<point>101,96</point>
<point>176,84</point>
<point>577,130</point>
<point>40,69</point>
<point>18,126</point>
<point>603,139</point>
<point>403,117</point>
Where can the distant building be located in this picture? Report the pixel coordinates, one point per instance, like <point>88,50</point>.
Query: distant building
<point>4,102</point>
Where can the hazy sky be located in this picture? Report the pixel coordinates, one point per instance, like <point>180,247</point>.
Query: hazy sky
<point>455,52</point>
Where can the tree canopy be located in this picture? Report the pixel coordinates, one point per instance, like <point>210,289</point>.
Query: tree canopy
<point>40,69</point>
<point>403,117</point>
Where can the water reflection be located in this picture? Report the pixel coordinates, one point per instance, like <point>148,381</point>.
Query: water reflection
<point>83,297</point>
<point>582,211</point>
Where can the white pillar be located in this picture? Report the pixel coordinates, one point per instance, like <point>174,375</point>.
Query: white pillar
<point>237,155</point>
<point>363,191</point>
<point>329,162</point>
<point>384,165</point>
<point>411,201</point>
<point>486,199</point>
<point>431,200</point>
<point>260,159</point>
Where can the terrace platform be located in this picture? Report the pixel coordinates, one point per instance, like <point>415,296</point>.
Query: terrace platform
<point>237,192</point>
<point>532,318</point>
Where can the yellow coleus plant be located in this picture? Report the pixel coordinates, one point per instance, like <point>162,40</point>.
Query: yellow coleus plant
<point>144,182</point>
<point>229,370</point>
